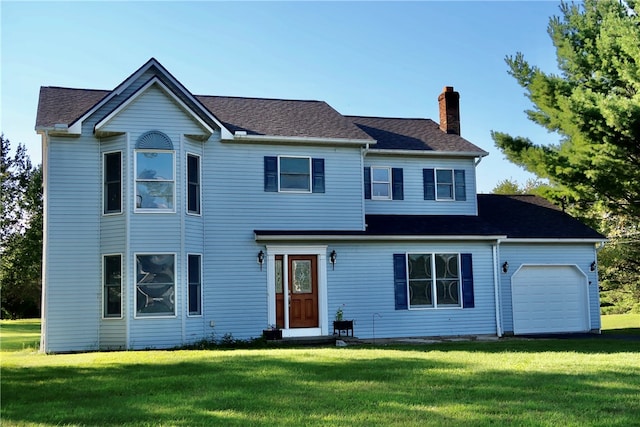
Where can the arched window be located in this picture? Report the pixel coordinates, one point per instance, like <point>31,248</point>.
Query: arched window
<point>155,173</point>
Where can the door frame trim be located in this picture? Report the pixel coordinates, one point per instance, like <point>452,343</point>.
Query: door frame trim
<point>320,251</point>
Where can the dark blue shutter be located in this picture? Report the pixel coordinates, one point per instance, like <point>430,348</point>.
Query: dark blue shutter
<point>270,173</point>
<point>467,281</point>
<point>397,185</point>
<point>400,281</point>
<point>461,192</point>
<point>317,173</point>
<point>367,183</point>
<point>429,182</point>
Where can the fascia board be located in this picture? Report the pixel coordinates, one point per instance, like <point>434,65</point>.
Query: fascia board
<point>376,238</point>
<point>427,153</point>
<point>139,92</point>
<point>551,240</point>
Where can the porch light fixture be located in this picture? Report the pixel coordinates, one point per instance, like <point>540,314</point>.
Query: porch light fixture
<point>592,267</point>
<point>332,258</point>
<point>505,267</point>
<point>261,259</point>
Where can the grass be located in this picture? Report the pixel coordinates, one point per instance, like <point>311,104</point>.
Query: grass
<point>512,381</point>
<point>19,335</point>
<point>624,324</point>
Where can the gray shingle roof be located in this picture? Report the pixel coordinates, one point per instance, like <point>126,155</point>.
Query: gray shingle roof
<point>280,117</point>
<point>276,117</point>
<point>412,134</point>
<point>528,216</point>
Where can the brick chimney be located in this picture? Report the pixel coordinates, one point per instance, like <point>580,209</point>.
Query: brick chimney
<point>449,103</point>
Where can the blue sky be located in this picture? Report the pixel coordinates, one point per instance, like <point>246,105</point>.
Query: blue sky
<point>388,59</point>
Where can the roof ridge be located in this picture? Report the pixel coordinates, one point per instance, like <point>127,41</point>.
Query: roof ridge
<point>261,98</point>
<point>77,88</point>
<point>387,118</point>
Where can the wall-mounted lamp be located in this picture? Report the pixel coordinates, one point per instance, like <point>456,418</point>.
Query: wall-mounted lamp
<point>505,267</point>
<point>260,259</point>
<point>592,267</point>
<point>332,258</point>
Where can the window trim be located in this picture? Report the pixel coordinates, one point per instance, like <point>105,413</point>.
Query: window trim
<point>175,288</point>
<point>453,184</point>
<point>104,183</point>
<point>136,209</point>
<point>104,287</point>
<point>310,190</point>
<point>188,183</point>
<point>434,290</point>
<point>389,183</point>
<point>189,313</point>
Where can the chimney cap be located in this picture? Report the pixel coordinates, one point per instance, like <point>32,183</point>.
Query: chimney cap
<point>448,89</point>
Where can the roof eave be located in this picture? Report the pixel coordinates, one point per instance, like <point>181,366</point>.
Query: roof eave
<point>427,153</point>
<point>553,240</point>
<point>378,237</point>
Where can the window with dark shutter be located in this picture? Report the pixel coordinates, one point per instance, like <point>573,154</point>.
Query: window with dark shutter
<point>367,183</point>
<point>400,281</point>
<point>461,192</point>
<point>317,171</point>
<point>467,281</point>
<point>429,182</point>
<point>270,173</point>
<point>397,184</point>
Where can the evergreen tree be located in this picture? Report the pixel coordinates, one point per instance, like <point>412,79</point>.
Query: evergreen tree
<point>593,106</point>
<point>21,233</point>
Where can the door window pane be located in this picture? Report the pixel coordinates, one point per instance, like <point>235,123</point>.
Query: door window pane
<point>301,271</point>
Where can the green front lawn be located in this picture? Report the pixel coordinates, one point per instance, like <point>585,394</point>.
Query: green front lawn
<point>621,324</point>
<point>513,381</point>
<point>20,335</point>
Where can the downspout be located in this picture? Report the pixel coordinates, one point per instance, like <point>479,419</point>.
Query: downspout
<point>182,256</point>
<point>129,285</point>
<point>496,287</point>
<point>363,153</point>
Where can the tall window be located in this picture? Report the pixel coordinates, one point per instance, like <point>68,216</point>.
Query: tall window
<point>112,177</point>
<point>155,285</point>
<point>434,280</point>
<point>444,184</point>
<point>155,182</point>
<point>112,286</point>
<point>195,285</point>
<point>380,183</point>
<point>295,174</point>
<point>193,184</point>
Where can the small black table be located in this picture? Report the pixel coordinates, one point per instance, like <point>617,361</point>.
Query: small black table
<point>343,325</point>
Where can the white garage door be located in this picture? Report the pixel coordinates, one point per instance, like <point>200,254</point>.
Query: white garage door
<point>549,299</point>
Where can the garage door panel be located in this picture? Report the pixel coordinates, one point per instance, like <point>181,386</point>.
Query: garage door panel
<point>549,299</point>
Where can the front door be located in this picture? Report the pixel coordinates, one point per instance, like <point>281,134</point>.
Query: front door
<point>303,291</point>
<point>301,298</point>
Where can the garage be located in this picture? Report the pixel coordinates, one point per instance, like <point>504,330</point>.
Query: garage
<point>549,299</point>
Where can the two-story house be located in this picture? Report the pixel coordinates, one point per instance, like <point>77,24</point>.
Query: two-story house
<point>171,218</point>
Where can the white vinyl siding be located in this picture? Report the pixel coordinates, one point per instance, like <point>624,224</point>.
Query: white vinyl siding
<point>413,202</point>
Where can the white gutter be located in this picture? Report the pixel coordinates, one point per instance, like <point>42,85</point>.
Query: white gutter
<point>552,240</point>
<point>343,238</point>
<point>496,288</point>
<point>428,153</point>
<point>241,137</point>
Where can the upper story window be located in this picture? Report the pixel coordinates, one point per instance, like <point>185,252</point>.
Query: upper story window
<point>383,183</point>
<point>112,177</point>
<point>155,173</point>
<point>293,174</point>
<point>444,184</point>
<point>193,184</point>
<point>380,183</point>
